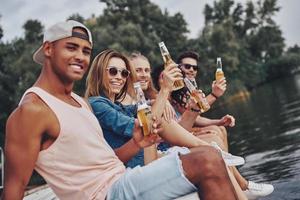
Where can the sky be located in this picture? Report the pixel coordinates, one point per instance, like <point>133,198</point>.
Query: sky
<point>14,13</point>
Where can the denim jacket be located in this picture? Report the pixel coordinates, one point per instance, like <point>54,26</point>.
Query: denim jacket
<point>117,122</point>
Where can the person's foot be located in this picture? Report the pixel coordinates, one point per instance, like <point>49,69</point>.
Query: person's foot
<point>229,159</point>
<point>257,190</point>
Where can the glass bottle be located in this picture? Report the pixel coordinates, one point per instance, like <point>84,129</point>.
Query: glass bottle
<point>168,60</point>
<point>198,98</point>
<point>219,72</point>
<point>144,114</point>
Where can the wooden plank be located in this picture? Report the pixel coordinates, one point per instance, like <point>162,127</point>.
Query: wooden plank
<point>43,192</point>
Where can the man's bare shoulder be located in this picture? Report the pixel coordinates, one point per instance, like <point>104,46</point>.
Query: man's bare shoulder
<point>32,104</point>
<point>31,111</point>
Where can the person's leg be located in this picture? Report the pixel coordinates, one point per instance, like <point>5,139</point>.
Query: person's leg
<point>221,139</point>
<point>161,179</point>
<point>172,176</point>
<point>175,134</point>
<point>212,138</point>
<point>215,182</point>
<point>233,180</point>
<point>239,191</point>
<point>240,179</point>
<point>220,131</point>
<point>224,136</point>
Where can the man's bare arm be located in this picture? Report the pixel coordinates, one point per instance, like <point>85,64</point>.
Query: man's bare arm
<point>24,131</point>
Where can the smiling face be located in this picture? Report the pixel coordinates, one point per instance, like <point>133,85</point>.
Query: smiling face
<point>142,69</point>
<point>189,73</point>
<point>116,82</point>
<point>69,58</point>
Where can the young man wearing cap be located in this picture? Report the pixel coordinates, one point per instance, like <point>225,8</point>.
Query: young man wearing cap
<point>51,122</point>
<point>189,61</point>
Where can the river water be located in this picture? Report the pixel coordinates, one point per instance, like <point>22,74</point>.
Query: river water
<point>267,135</point>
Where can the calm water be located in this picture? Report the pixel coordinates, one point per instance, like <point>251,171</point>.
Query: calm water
<point>267,134</point>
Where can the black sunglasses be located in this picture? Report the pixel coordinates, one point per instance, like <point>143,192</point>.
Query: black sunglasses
<point>188,66</point>
<point>113,71</point>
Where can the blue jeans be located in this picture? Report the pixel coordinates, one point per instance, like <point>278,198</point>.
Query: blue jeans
<point>162,179</point>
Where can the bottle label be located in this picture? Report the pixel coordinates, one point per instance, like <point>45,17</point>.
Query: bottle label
<point>145,120</point>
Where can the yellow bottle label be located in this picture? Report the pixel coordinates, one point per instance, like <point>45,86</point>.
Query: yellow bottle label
<point>145,119</point>
<point>219,75</point>
<point>201,102</point>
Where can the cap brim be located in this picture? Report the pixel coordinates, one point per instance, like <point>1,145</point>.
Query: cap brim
<point>38,56</point>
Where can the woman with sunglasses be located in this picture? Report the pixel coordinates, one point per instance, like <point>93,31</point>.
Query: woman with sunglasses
<point>109,79</point>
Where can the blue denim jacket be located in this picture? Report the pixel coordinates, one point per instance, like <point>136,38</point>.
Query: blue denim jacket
<point>117,122</point>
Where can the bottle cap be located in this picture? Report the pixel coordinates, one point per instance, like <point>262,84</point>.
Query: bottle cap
<point>219,59</point>
<point>161,44</point>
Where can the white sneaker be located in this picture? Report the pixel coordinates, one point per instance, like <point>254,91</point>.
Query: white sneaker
<point>256,190</point>
<point>229,159</point>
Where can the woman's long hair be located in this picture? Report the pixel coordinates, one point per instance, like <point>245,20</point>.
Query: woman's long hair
<point>97,81</point>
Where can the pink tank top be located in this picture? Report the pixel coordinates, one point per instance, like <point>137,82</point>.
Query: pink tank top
<point>79,164</point>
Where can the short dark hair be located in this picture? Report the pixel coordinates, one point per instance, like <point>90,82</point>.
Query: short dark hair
<point>156,71</point>
<point>188,54</point>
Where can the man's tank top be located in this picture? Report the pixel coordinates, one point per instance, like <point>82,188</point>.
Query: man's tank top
<point>79,164</point>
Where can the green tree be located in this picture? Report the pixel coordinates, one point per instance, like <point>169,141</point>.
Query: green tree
<point>246,37</point>
<point>76,17</point>
<point>149,26</point>
<point>33,31</point>
<point>1,32</point>
<point>17,70</point>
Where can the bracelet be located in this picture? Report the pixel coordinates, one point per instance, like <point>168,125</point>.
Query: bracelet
<point>195,110</point>
<point>214,95</point>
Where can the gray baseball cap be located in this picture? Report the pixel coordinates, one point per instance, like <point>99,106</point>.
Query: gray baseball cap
<point>59,31</point>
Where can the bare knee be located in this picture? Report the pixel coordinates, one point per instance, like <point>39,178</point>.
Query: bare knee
<point>203,162</point>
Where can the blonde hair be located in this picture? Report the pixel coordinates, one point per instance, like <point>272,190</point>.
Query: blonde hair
<point>151,92</point>
<point>97,81</point>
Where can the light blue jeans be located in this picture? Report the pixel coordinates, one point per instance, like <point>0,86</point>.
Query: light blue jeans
<point>160,180</point>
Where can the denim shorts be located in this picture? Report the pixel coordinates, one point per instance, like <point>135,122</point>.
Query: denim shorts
<point>162,179</point>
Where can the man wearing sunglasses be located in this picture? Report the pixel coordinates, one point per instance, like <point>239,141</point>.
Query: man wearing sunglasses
<point>189,62</point>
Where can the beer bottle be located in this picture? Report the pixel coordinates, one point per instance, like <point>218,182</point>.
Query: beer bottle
<point>168,60</point>
<point>198,98</point>
<point>143,110</point>
<point>219,72</point>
